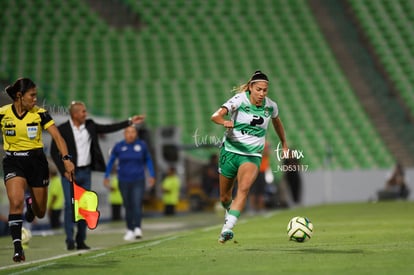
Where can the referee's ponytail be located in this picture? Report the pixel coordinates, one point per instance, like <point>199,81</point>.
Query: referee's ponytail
<point>21,85</point>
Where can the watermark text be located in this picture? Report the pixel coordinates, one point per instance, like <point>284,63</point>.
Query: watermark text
<point>289,160</point>
<point>289,153</point>
<point>205,140</point>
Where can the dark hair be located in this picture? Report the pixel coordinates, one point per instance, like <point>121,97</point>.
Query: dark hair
<point>258,76</point>
<point>21,85</point>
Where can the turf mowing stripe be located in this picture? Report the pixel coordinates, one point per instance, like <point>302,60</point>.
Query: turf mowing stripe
<point>210,228</point>
<point>36,268</point>
<point>154,243</point>
<point>40,261</point>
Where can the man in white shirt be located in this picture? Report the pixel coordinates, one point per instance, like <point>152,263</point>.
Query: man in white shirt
<point>81,136</point>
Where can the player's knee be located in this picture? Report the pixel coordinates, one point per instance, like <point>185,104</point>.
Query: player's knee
<point>16,205</point>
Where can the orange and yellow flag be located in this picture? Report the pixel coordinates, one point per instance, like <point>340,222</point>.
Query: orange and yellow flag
<point>85,206</point>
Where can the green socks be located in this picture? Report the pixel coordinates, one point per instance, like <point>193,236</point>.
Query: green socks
<point>235,213</point>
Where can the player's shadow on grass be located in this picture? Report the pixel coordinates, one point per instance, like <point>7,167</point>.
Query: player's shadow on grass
<point>74,267</point>
<point>324,251</point>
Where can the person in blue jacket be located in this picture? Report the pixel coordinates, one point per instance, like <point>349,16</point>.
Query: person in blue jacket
<point>133,157</point>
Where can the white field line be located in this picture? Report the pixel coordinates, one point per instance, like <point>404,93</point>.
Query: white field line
<point>154,243</point>
<point>150,244</point>
<point>39,261</point>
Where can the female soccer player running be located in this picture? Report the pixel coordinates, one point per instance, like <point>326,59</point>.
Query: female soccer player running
<point>250,111</point>
<point>25,164</point>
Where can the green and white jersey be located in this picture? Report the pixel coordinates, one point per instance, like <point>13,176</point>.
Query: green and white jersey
<point>250,124</point>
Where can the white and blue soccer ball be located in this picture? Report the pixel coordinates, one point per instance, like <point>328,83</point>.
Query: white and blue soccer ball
<point>26,236</point>
<point>299,229</point>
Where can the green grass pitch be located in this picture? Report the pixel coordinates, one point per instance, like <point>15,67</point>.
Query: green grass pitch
<point>357,238</point>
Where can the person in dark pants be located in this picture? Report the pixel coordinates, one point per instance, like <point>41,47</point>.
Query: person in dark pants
<point>133,157</point>
<point>115,198</point>
<point>396,186</point>
<point>293,178</point>
<point>81,136</point>
<point>171,191</point>
<point>210,178</point>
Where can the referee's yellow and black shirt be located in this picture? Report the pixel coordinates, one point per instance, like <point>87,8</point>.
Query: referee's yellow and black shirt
<point>23,133</point>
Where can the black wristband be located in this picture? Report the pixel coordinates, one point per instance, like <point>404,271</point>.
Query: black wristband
<point>67,157</point>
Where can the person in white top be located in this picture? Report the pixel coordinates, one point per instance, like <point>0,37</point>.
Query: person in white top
<point>250,112</point>
<point>81,136</point>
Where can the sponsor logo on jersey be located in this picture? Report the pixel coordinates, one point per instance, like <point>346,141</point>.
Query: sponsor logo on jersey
<point>9,124</point>
<point>266,112</point>
<point>21,154</point>
<point>10,133</point>
<point>137,148</point>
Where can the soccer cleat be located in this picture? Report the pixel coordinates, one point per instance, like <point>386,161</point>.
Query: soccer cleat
<point>225,236</point>
<point>129,236</point>
<point>226,214</point>
<point>138,233</point>
<point>19,255</point>
<point>29,215</point>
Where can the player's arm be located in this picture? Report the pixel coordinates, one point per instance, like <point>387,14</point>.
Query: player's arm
<point>280,131</point>
<point>63,149</point>
<point>150,165</point>
<point>219,118</point>
<point>110,128</point>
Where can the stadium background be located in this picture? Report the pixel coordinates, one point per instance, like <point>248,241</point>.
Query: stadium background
<point>341,73</point>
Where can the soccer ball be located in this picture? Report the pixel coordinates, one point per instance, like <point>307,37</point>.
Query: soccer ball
<point>299,229</point>
<point>26,236</point>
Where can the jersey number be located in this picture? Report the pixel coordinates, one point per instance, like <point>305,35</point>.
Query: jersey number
<point>257,120</point>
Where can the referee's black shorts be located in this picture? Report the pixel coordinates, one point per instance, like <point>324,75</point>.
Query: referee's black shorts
<point>31,165</point>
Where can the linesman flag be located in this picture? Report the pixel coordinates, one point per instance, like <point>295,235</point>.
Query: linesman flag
<point>85,206</point>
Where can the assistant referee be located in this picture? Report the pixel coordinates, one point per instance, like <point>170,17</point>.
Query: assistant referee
<point>25,164</point>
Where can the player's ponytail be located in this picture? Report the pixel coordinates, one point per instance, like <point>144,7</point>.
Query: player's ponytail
<point>21,85</point>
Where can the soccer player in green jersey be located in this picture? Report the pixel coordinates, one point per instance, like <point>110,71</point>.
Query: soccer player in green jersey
<point>249,111</point>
